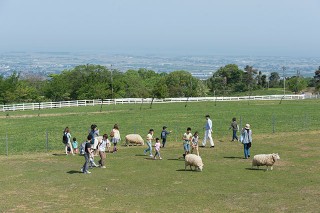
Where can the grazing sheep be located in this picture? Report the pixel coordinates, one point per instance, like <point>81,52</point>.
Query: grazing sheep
<point>193,160</point>
<point>134,139</point>
<point>265,160</point>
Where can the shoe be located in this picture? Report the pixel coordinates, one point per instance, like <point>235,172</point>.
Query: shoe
<point>160,158</point>
<point>87,172</point>
<point>81,170</point>
<point>151,155</point>
<point>103,167</point>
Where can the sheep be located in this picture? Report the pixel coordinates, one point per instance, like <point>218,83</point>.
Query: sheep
<point>193,160</point>
<point>265,160</point>
<point>134,139</point>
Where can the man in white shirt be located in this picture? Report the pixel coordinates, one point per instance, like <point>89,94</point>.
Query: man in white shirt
<point>207,134</point>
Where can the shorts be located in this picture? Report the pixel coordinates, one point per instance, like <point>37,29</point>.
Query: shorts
<point>186,147</point>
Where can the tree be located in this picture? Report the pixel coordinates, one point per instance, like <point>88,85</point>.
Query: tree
<point>226,78</point>
<point>274,80</point>
<point>317,78</point>
<point>296,84</point>
<point>249,77</point>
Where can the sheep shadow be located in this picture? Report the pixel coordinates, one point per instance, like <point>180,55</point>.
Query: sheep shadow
<point>256,169</point>
<point>55,154</point>
<point>232,157</point>
<point>187,170</point>
<point>178,159</point>
<point>73,172</point>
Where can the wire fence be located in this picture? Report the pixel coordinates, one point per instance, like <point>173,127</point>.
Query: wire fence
<point>51,139</point>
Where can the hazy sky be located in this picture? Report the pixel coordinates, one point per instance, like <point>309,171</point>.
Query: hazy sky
<point>182,27</point>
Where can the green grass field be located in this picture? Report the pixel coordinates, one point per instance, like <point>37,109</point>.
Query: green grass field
<point>36,180</point>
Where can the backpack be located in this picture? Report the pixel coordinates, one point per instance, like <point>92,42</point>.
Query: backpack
<point>64,138</point>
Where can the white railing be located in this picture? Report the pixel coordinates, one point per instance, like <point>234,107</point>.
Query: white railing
<point>77,103</point>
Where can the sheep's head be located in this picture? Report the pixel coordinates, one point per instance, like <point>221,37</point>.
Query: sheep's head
<point>275,157</point>
<point>200,167</point>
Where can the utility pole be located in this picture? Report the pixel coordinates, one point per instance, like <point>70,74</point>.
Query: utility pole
<point>111,82</point>
<point>284,80</point>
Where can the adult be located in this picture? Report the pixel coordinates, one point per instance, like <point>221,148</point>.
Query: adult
<point>94,132</point>
<point>246,139</point>
<point>87,155</point>
<point>115,137</point>
<point>67,134</point>
<point>235,128</point>
<point>208,132</point>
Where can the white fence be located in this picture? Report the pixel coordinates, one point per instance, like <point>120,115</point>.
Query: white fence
<point>77,103</point>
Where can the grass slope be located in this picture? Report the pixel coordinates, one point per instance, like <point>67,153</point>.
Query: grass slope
<point>51,181</point>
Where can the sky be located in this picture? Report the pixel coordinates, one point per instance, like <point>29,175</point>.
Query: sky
<point>164,27</point>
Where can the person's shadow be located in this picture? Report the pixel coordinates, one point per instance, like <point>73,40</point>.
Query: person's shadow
<point>73,172</point>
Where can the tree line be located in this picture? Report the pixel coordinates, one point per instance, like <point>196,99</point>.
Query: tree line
<point>99,82</point>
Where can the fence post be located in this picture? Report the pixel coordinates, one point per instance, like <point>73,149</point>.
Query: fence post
<point>47,141</point>
<point>273,123</point>
<point>7,146</point>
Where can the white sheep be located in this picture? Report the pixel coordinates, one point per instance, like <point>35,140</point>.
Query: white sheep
<point>265,160</point>
<point>193,160</point>
<point>134,139</point>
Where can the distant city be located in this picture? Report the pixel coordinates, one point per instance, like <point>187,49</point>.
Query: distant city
<point>202,67</point>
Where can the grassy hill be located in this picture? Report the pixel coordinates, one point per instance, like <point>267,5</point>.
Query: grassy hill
<point>36,180</point>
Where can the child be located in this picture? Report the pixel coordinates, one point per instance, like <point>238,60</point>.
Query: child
<point>157,149</point>
<point>75,145</point>
<point>102,151</point>
<point>164,134</point>
<point>82,148</point>
<point>149,142</point>
<point>87,153</point>
<point>186,141</point>
<point>92,163</point>
<point>194,143</point>
<point>115,137</point>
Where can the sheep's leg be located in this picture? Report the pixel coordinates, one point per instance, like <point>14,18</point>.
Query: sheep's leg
<point>185,167</point>
<point>190,168</point>
<point>271,168</point>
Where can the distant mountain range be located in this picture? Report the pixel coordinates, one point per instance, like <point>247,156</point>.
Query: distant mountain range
<point>45,63</point>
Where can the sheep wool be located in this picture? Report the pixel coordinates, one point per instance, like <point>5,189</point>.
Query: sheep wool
<point>134,139</point>
<point>265,160</point>
<point>193,160</point>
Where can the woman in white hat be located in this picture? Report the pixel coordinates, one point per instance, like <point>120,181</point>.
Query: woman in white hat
<point>246,139</point>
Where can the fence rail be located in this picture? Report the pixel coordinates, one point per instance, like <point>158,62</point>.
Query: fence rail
<point>94,102</point>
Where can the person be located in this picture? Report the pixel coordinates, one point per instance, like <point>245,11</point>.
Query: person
<point>208,131</point>
<point>102,150</point>
<point>246,139</point>
<point>149,142</point>
<point>186,141</point>
<point>87,154</point>
<point>115,137</point>
<point>68,144</point>
<point>164,134</point>
<point>94,132</point>
<point>75,145</point>
<point>157,149</point>
<point>194,142</point>
<point>235,128</point>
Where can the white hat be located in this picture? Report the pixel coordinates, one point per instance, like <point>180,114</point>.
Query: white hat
<point>247,126</point>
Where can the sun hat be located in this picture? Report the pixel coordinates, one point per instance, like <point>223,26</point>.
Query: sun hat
<point>247,126</point>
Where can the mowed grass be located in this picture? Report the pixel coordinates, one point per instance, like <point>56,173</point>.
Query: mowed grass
<point>50,181</point>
